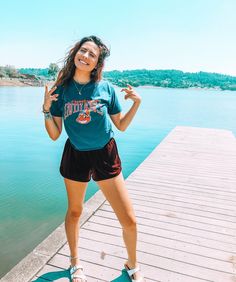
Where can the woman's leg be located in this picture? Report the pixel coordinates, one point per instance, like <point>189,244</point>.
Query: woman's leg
<point>117,195</point>
<point>75,193</point>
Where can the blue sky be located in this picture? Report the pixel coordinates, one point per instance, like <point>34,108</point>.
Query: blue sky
<point>189,35</point>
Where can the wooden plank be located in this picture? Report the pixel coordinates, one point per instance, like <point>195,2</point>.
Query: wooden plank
<point>171,210</point>
<point>225,184</point>
<point>145,223</point>
<point>170,189</point>
<point>230,192</point>
<point>160,242</point>
<point>145,218</point>
<point>166,234</point>
<point>222,207</point>
<point>176,207</point>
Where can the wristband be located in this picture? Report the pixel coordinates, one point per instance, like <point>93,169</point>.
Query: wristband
<point>47,115</point>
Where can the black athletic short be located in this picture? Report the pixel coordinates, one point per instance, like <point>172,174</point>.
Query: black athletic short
<point>101,164</point>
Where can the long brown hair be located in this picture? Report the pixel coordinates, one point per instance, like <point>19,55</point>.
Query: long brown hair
<point>68,70</point>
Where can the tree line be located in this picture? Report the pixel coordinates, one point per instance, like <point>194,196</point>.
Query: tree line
<point>9,71</point>
<point>172,79</point>
<point>143,77</point>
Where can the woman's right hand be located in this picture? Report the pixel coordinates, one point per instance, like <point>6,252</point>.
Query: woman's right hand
<point>48,98</point>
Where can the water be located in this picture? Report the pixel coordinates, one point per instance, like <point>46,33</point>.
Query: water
<point>33,198</point>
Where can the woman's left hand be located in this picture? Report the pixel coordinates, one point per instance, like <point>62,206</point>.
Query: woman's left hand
<point>131,94</point>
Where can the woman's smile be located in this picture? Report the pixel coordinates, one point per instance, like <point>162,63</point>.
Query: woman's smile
<point>83,62</point>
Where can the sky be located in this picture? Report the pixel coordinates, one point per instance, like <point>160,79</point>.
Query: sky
<point>188,35</point>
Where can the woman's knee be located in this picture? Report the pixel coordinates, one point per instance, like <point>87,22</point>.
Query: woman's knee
<point>74,213</point>
<point>130,222</point>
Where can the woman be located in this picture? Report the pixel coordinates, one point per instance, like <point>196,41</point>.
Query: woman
<point>86,103</point>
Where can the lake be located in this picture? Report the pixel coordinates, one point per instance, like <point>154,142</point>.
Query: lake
<point>33,197</point>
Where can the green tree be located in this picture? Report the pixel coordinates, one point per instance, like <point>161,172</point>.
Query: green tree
<point>11,71</point>
<point>2,72</point>
<point>53,70</point>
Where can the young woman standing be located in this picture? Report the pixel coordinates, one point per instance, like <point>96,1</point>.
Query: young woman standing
<point>86,104</point>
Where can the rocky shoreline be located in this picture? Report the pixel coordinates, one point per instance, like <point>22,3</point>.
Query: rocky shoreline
<point>23,82</point>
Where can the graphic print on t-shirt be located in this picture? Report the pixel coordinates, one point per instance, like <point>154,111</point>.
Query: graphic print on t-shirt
<point>83,107</point>
<point>84,118</point>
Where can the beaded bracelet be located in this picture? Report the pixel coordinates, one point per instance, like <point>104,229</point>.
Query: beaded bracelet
<point>44,111</point>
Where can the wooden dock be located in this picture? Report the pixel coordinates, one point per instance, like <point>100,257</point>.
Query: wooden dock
<point>184,196</point>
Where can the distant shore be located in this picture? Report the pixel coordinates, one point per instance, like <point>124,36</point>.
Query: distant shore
<point>34,83</point>
<point>22,82</point>
<point>11,82</point>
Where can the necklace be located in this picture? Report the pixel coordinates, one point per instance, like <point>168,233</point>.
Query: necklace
<point>80,90</point>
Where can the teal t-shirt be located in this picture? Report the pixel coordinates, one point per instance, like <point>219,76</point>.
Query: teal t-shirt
<point>85,110</point>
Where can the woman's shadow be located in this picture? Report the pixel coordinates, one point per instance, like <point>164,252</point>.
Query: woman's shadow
<point>53,276</point>
<point>56,275</point>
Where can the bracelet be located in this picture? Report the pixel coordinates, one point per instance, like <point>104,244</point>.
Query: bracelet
<point>47,115</point>
<point>44,111</point>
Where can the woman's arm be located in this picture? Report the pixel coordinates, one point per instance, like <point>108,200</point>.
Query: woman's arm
<point>53,124</point>
<point>122,121</point>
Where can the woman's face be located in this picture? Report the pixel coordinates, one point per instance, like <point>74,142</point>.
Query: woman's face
<point>86,58</point>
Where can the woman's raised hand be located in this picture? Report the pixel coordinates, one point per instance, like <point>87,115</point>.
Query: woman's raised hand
<point>131,94</point>
<point>48,98</point>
